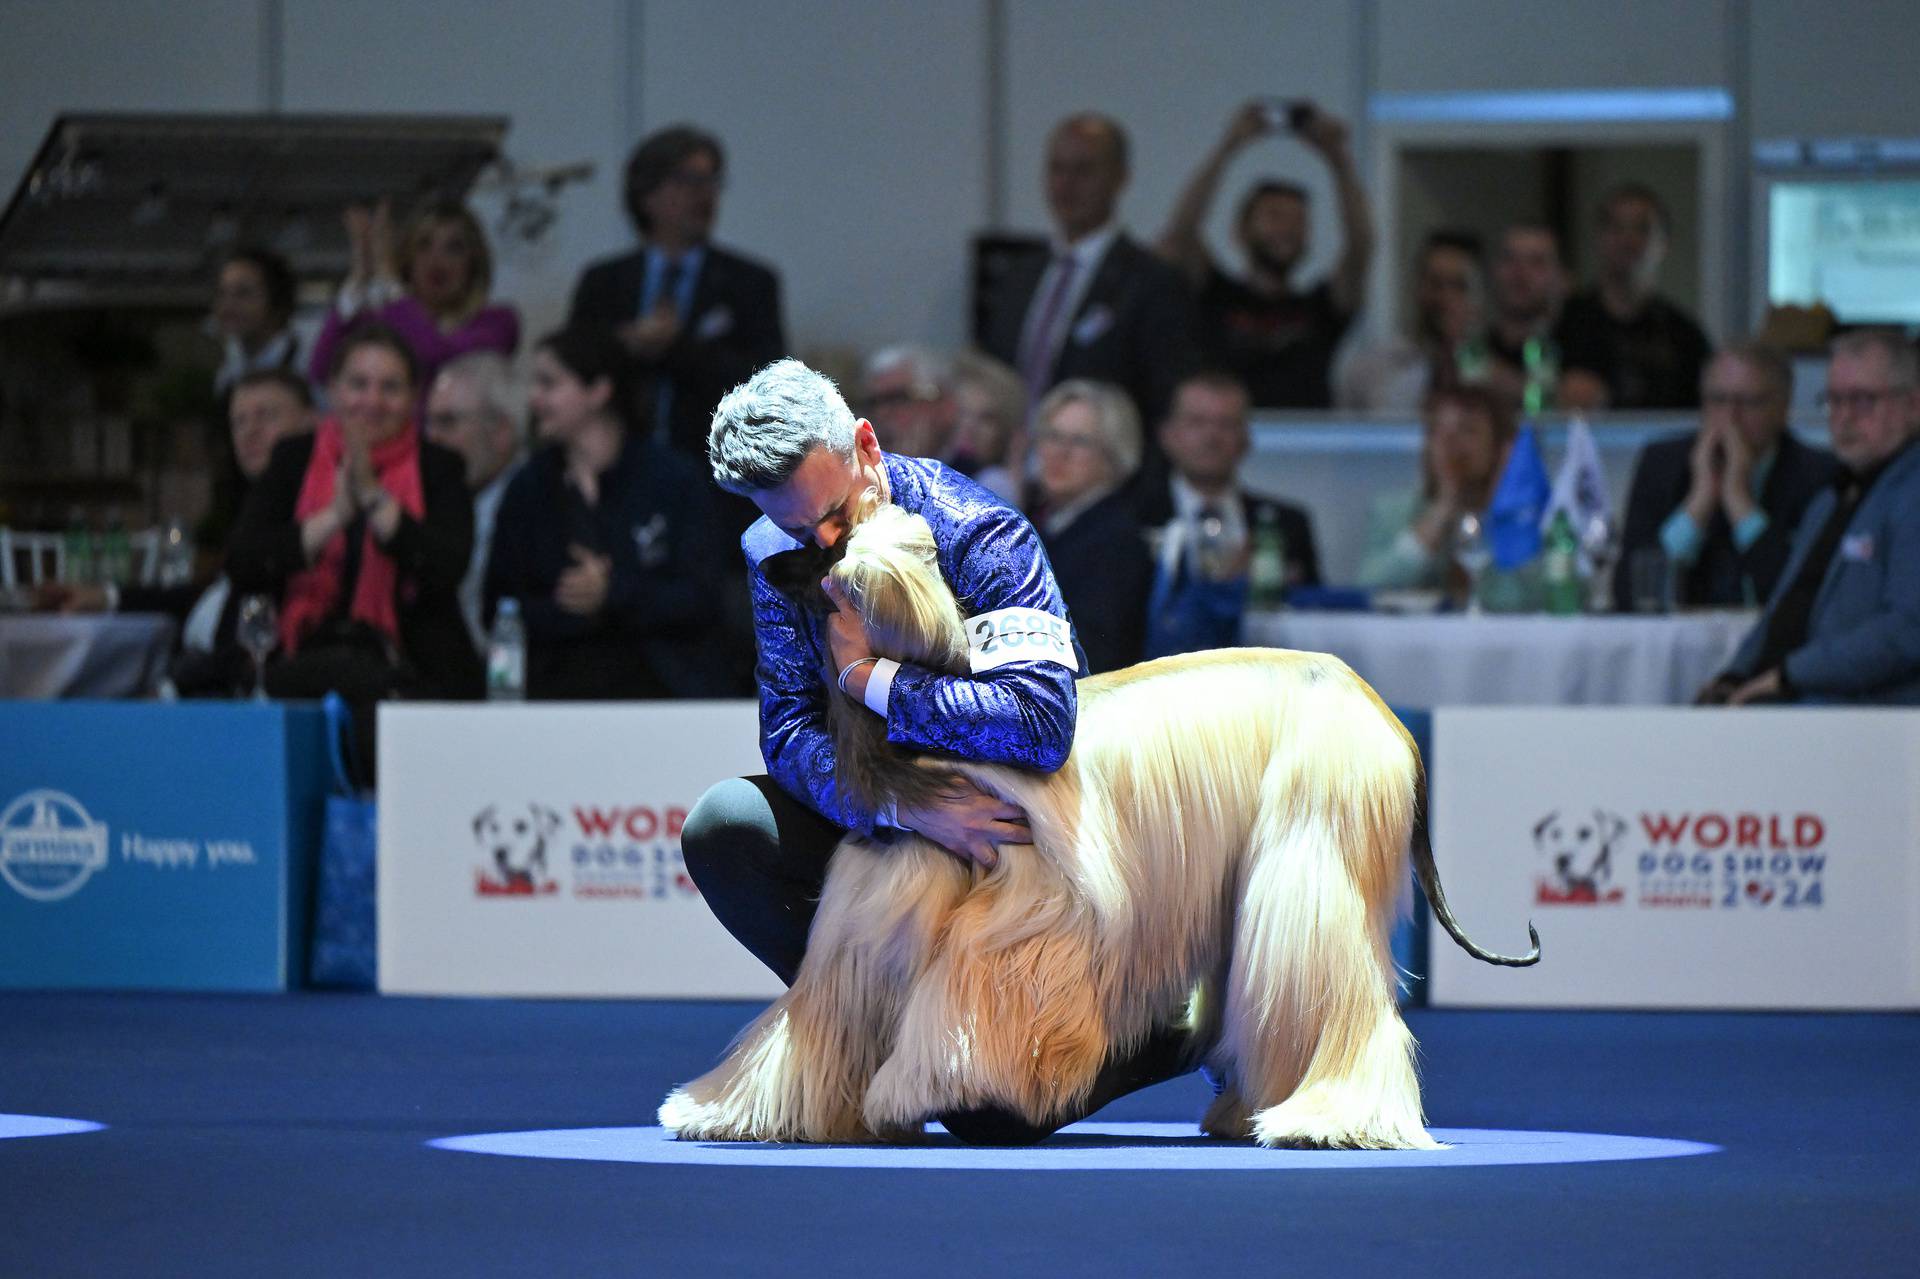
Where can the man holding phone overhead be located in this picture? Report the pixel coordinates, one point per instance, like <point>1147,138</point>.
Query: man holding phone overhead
<point>1277,339</point>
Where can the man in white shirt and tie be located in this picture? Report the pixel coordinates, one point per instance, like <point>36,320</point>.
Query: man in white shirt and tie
<point>1096,305</point>
<point>473,409</point>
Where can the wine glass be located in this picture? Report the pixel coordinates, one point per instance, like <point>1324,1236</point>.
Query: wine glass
<point>1472,553</point>
<point>258,630</point>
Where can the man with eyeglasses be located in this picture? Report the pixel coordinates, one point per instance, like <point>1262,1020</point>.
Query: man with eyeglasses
<point>696,318</point>
<point>907,393</point>
<point>472,409</point>
<point>1843,624</point>
<point>1723,503</point>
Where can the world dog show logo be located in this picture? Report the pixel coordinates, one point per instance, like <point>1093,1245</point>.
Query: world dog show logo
<point>613,851</point>
<point>1687,861</point>
<point>49,845</point>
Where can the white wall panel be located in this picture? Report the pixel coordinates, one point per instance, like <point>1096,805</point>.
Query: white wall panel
<point>1835,68</point>
<point>555,66</point>
<point>855,153</point>
<point>1439,46</point>
<point>1172,77</point>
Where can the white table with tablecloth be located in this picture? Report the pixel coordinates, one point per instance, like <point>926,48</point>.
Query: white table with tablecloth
<point>48,655</point>
<point>1516,659</point>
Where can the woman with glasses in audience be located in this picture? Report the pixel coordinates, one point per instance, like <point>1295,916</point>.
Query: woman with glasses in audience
<point>431,288</point>
<point>1410,534</point>
<point>1087,442</point>
<point>360,532</point>
<point>607,540</point>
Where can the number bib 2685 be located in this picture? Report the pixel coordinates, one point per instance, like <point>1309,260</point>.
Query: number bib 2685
<point>1018,635</point>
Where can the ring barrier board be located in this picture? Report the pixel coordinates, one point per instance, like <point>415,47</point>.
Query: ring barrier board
<point>1764,857</point>
<point>157,847</point>
<point>534,849</point>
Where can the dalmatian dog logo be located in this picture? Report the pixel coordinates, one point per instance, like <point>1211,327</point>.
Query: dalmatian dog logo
<point>513,851</point>
<point>1575,852</point>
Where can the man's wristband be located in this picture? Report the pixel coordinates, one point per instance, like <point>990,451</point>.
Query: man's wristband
<point>853,666</point>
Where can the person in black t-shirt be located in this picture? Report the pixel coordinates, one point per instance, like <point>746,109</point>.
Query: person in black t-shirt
<point>1622,345</point>
<point>1278,340</point>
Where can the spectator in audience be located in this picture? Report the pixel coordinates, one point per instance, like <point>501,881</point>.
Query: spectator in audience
<point>431,288</point>
<point>1843,623</point>
<point>907,393</point>
<point>1447,346</point>
<point>1278,340</point>
<point>1623,345</point>
<point>264,406</point>
<point>694,319</point>
<point>1200,521</point>
<point>1097,306</point>
<point>1529,286</point>
<point>472,410</point>
<point>1724,502</point>
<point>1088,442</point>
<point>253,303</point>
<point>607,539</point>
<point>361,530</point>
<point>1410,535</point>
<point>990,434</point>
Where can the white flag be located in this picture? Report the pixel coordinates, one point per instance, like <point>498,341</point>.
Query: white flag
<point>1580,490</point>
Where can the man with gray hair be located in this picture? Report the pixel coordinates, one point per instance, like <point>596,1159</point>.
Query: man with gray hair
<point>1721,504</point>
<point>1844,623</point>
<point>758,847</point>
<point>907,393</point>
<point>472,409</point>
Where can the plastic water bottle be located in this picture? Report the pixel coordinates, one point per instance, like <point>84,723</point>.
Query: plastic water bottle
<point>176,554</point>
<point>77,546</point>
<point>116,552</point>
<point>507,655</point>
<point>1267,566</point>
<point>1560,567</point>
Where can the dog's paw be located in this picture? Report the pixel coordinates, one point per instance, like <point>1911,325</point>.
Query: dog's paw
<point>1298,1124</point>
<point>1228,1117</point>
<point>691,1120</point>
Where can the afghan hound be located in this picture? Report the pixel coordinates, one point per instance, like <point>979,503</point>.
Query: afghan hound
<point>1226,848</point>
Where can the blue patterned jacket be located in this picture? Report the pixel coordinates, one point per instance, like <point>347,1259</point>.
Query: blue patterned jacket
<point>1021,713</point>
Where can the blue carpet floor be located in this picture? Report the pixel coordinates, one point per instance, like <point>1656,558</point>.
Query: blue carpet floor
<point>288,1137</point>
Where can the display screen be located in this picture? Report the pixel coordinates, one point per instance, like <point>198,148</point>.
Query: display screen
<point>1853,244</point>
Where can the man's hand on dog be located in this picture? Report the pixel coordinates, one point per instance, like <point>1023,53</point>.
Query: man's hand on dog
<point>968,822</point>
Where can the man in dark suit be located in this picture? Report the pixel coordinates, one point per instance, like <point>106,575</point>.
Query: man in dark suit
<point>1843,623</point>
<point>1097,306</point>
<point>1204,527</point>
<point>696,319</point>
<point>1722,504</point>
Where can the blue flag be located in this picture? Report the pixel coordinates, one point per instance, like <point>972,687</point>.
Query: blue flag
<point>1513,517</point>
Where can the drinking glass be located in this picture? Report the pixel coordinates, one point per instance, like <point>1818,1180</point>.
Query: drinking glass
<point>1472,553</point>
<point>258,630</point>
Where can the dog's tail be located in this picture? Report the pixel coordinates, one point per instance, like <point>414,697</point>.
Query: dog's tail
<point>1430,882</point>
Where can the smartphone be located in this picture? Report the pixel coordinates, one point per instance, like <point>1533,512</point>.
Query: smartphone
<point>1287,113</point>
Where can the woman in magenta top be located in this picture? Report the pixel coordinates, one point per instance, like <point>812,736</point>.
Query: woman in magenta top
<point>432,290</point>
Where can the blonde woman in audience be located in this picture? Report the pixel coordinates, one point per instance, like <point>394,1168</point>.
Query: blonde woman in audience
<point>1468,430</point>
<point>432,288</point>
<point>990,438</point>
<point>1087,440</point>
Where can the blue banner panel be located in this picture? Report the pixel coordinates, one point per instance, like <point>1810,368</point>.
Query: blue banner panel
<point>154,846</point>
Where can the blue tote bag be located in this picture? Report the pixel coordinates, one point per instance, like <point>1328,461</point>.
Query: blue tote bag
<point>344,950</point>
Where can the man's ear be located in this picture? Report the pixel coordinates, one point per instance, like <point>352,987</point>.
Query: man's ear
<point>866,445</point>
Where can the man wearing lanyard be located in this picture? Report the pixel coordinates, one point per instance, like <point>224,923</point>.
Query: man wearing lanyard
<point>758,847</point>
